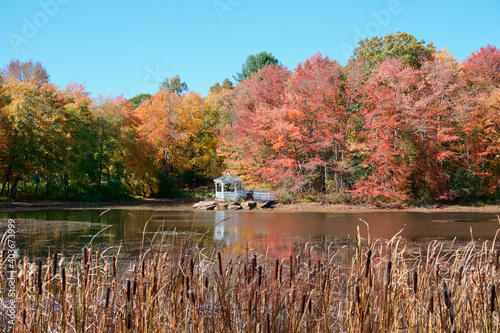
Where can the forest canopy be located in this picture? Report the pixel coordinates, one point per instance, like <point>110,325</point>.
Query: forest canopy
<point>401,122</point>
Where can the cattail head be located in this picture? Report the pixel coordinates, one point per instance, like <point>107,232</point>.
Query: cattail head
<point>388,269</point>
<point>113,260</point>
<point>40,277</point>
<point>460,273</point>
<point>85,254</point>
<point>415,282</point>
<point>357,294</point>
<point>276,269</point>
<point>143,266</point>
<point>134,288</point>
<point>55,264</point>
<point>63,278</point>
<point>108,291</point>
<point>430,307</point>
<point>368,260</point>
<point>191,266</point>
<point>493,296</point>
<point>259,269</point>
<point>446,295</point>
<point>254,264</point>
<point>303,306</point>
<point>128,291</point>
<point>219,259</point>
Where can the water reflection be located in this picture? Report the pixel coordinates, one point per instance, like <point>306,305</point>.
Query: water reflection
<point>278,234</point>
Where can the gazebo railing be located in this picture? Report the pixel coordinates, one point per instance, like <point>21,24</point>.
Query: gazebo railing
<point>243,194</point>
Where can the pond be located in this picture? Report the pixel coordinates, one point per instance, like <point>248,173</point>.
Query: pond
<point>124,230</point>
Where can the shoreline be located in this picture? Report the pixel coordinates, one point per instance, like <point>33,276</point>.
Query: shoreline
<point>186,203</point>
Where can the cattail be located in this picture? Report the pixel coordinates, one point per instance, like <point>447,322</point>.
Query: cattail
<point>446,295</point>
<point>206,282</point>
<point>388,273</point>
<point>303,306</point>
<point>430,308</point>
<point>415,282</point>
<point>281,272</point>
<point>39,277</point>
<point>186,282</point>
<point>113,261</point>
<point>128,291</point>
<point>63,278</point>
<point>276,269</point>
<point>85,253</point>
<point>268,323</point>
<point>460,273</point>
<point>219,258</point>
<point>134,288</point>
<point>154,282</point>
<point>191,266</point>
<point>493,296</point>
<point>143,266</point>
<point>437,274</point>
<point>108,291</point>
<point>191,294</point>
<point>55,264</point>
<point>259,269</point>
<point>357,294</point>
<point>254,265</point>
<point>368,259</point>
<point>291,269</point>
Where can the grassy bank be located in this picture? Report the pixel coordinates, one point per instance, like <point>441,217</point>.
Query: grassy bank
<point>349,286</point>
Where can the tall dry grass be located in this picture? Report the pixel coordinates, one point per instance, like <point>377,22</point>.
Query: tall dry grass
<point>359,286</point>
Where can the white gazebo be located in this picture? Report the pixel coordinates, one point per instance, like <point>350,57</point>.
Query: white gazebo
<point>230,188</point>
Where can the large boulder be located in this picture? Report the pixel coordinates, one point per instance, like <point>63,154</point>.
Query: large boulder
<point>234,206</point>
<point>207,205</point>
<point>221,206</point>
<point>249,205</point>
<point>267,204</point>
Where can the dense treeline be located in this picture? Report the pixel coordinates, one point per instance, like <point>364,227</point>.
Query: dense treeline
<point>401,122</point>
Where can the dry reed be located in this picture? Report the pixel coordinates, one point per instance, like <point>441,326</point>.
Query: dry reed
<point>385,286</point>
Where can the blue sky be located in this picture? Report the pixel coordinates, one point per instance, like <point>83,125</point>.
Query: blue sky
<point>129,47</point>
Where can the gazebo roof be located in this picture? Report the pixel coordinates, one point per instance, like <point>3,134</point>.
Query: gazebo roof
<point>228,179</point>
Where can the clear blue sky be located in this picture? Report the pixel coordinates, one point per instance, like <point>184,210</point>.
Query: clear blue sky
<point>128,47</point>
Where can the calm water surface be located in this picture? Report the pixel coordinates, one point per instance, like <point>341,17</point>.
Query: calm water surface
<point>45,231</point>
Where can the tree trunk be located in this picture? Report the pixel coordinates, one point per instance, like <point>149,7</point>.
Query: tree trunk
<point>14,187</point>
<point>7,175</point>
<point>66,184</point>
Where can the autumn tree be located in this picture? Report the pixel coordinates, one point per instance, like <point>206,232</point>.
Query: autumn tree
<point>27,70</point>
<point>217,87</point>
<point>175,85</point>
<point>138,99</point>
<point>244,141</point>
<point>311,129</point>
<point>480,130</point>
<point>254,63</point>
<point>391,105</point>
<point>401,45</point>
